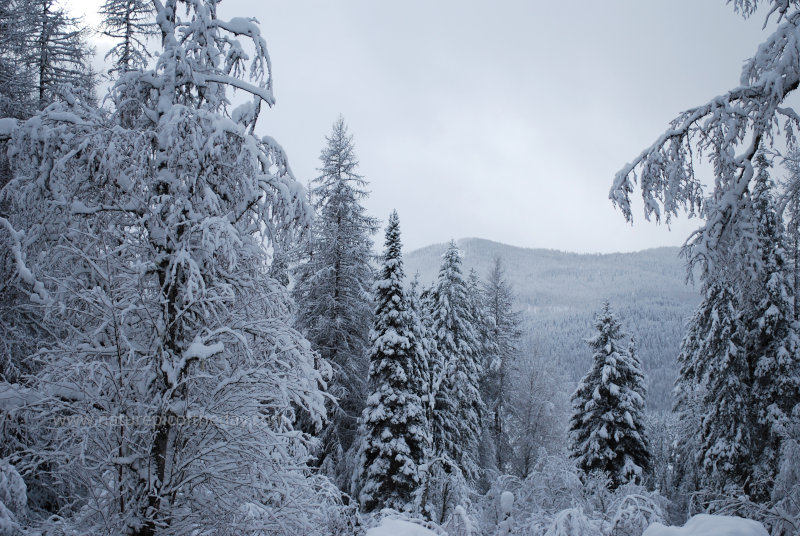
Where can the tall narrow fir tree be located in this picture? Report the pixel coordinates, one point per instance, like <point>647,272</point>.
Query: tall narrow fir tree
<point>394,429</point>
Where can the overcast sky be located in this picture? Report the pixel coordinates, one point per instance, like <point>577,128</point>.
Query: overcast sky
<point>504,120</point>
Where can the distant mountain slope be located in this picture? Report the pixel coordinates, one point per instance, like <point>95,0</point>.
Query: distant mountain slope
<point>560,292</point>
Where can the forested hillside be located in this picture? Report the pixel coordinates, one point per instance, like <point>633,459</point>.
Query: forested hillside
<point>560,292</point>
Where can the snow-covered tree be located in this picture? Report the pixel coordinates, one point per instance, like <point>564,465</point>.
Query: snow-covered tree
<point>334,296</point>
<point>786,493</point>
<point>772,339</point>
<point>394,430</point>
<point>421,367</point>
<point>739,365</point>
<point>726,449</point>
<point>538,408</point>
<point>486,352</point>
<point>419,301</point>
<point>731,130</point>
<point>165,403</point>
<point>458,408</point>
<point>57,51</point>
<point>130,23</point>
<point>607,426</point>
<point>505,334</point>
<point>13,500</point>
<point>709,339</point>
<point>16,75</point>
<point>790,202</point>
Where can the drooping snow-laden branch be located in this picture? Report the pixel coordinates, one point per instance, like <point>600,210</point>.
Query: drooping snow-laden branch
<point>39,293</point>
<point>731,130</point>
<point>200,75</point>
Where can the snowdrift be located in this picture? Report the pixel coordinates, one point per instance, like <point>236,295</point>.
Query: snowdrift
<point>710,525</point>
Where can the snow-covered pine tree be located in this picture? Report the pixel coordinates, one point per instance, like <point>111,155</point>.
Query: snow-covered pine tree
<point>333,293</point>
<point>731,130</point>
<point>165,406</point>
<point>458,408</point>
<point>505,334</point>
<point>739,365</point>
<point>771,340</point>
<point>710,333</point>
<point>607,426</point>
<point>724,383</point>
<point>395,436</point>
<point>420,301</point>
<point>421,368</point>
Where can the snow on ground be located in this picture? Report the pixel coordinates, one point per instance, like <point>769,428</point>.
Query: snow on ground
<point>7,126</point>
<point>709,525</point>
<point>398,527</point>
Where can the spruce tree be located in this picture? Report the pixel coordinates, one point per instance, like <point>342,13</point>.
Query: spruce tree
<point>771,337</point>
<point>333,293</point>
<point>421,367</point>
<point>458,407</point>
<point>739,365</point>
<point>394,430</point>
<point>727,434</point>
<point>607,426</point>
<point>711,333</point>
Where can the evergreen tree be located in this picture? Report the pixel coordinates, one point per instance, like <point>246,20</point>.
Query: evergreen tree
<point>421,302</point>
<point>458,408</point>
<point>333,293</point>
<point>727,433</point>
<point>711,333</point>
<point>394,428</point>
<point>739,365</point>
<point>421,367</point>
<point>504,334</point>
<point>607,426</point>
<point>772,336</point>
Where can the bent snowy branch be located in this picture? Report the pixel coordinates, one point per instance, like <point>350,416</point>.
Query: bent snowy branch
<point>721,128</point>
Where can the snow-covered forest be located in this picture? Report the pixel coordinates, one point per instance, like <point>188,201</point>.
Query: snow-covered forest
<point>193,341</point>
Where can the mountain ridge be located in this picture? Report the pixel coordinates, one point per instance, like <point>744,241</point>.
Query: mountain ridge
<point>559,292</point>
